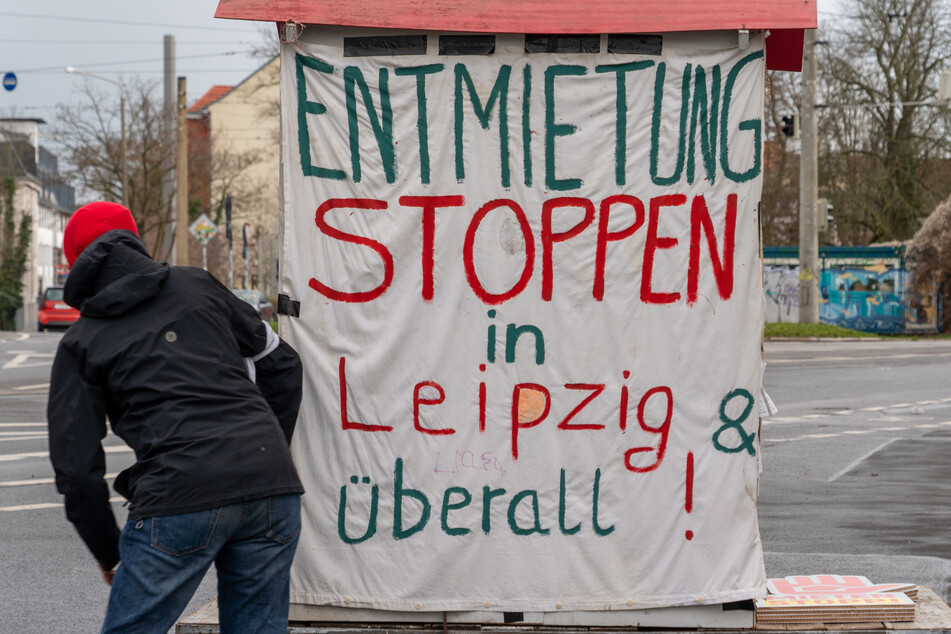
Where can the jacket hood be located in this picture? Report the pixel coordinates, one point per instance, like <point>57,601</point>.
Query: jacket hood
<point>113,275</point>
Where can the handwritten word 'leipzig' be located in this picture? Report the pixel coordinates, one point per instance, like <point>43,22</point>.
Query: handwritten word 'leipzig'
<point>531,405</point>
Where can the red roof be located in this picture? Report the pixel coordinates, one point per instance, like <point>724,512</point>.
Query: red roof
<point>214,94</point>
<point>533,16</point>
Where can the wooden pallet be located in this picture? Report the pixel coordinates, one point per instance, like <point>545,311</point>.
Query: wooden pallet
<point>932,614</point>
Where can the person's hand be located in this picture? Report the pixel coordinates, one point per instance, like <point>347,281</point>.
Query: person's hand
<point>107,575</point>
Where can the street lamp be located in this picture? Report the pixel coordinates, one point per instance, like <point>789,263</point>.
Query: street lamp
<point>122,100</point>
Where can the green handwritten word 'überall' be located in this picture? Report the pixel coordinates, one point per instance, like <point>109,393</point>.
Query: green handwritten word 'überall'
<point>453,519</point>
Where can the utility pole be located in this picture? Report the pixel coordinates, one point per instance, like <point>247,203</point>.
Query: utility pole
<point>181,179</point>
<point>809,271</point>
<point>169,119</point>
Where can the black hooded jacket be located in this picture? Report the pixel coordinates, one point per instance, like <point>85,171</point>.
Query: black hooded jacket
<point>160,351</point>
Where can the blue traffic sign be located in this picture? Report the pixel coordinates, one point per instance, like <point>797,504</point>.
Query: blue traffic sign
<point>9,81</point>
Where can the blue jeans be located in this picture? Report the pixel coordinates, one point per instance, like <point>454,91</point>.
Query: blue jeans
<point>164,559</point>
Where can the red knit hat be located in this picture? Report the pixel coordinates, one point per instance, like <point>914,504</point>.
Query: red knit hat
<point>91,221</point>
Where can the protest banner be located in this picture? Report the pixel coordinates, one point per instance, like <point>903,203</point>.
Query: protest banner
<point>530,313</point>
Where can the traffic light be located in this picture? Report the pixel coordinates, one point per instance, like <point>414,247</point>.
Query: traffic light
<point>791,126</point>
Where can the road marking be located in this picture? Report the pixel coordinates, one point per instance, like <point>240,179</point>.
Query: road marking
<point>24,483</point>
<point>22,424</point>
<point>43,505</point>
<point>861,459</point>
<point>774,362</point>
<point>45,454</point>
<point>30,507</point>
<point>21,433</point>
<point>20,456</point>
<point>44,386</point>
<point>20,358</point>
<point>25,436</point>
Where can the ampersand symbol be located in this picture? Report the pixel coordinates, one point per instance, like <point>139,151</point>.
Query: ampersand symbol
<point>746,440</point>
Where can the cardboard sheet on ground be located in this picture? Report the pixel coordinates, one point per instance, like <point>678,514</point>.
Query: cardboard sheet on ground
<point>530,315</point>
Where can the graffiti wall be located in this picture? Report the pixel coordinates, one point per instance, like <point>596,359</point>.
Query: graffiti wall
<point>871,296</point>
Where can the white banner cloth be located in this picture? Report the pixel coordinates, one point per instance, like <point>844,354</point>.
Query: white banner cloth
<point>531,310</point>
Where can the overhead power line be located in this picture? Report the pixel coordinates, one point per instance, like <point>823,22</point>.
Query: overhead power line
<point>125,22</point>
<point>116,42</point>
<point>59,69</point>
<point>885,104</point>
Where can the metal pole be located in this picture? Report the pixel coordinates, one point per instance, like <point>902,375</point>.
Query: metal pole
<point>125,153</point>
<point>230,240</point>
<point>809,270</point>
<point>204,257</point>
<point>168,139</point>
<point>181,178</point>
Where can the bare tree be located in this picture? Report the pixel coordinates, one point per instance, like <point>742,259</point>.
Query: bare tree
<point>89,133</point>
<point>883,141</point>
<point>90,136</point>
<point>779,208</point>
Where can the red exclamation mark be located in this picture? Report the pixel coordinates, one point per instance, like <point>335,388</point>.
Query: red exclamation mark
<point>688,498</point>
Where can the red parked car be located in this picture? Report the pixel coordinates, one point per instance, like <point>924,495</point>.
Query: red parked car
<point>54,311</point>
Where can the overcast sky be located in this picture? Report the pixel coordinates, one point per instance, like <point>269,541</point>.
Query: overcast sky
<point>122,39</point>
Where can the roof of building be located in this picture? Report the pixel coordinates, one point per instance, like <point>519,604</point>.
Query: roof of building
<point>785,19</point>
<point>533,16</point>
<point>214,94</point>
<point>22,120</point>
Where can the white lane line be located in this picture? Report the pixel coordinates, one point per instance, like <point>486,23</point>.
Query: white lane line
<point>30,507</point>
<point>41,386</point>
<point>815,416</point>
<point>926,426</point>
<point>22,424</point>
<point>928,402</point>
<point>44,454</point>
<point>24,483</point>
<point>860,359</point>
<point>861,459</point>
<point>20,456</point>
<point>28,432</point>
<point>44,505</point>
<point>24,436</point>
<point>874,409</point>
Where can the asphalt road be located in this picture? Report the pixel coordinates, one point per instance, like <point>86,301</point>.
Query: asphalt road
<point>857,462</point>
<point>856,480</point>
<point>48,580</point>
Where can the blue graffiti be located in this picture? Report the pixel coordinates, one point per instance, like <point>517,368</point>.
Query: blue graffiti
<point>862,298</point>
